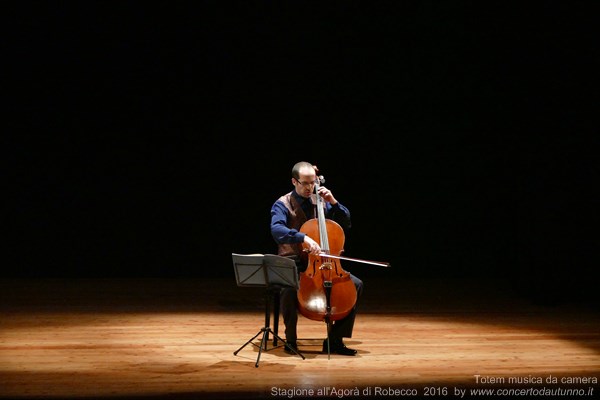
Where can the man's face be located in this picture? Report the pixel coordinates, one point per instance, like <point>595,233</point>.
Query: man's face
<point>305,185</point>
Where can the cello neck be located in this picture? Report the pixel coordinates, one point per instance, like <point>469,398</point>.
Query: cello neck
<point>321,218</point>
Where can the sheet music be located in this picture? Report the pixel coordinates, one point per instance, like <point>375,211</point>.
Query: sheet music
<point>264,270</point>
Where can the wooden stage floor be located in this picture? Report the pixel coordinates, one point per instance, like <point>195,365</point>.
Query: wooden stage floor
<point>171,338</point>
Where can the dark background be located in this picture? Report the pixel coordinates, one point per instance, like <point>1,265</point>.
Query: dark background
<point>150,140</point>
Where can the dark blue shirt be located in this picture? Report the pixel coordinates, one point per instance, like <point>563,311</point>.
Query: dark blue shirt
<point>279,218</point>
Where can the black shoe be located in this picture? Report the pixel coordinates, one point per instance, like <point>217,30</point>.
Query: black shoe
<point>291,348</point>
<point>338,347</point>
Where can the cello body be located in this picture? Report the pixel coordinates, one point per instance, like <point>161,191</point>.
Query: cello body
<point>327,293</point>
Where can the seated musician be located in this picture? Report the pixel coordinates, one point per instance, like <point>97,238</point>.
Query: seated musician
<point>288,214</point>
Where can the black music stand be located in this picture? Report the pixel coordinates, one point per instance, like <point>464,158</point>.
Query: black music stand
<point>269,271</point>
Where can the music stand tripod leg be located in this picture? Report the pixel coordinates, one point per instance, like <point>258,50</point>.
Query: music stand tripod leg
<point>248,342</point>
<point>266,330</point>
<point>285,344</point>
<point>265,333</point>
<point>263,344</point>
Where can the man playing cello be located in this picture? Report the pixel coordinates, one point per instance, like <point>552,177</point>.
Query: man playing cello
<point>288,214</point>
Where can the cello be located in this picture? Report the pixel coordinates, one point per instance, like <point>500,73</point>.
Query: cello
<point>326,293</point>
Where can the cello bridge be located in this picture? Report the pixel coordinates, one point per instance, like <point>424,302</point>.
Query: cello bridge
<point>325,265</point>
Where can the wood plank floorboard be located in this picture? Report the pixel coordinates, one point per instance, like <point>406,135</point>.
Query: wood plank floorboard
<point>175,338</point>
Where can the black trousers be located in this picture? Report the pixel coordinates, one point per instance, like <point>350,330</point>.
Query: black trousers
<point>289,310</point>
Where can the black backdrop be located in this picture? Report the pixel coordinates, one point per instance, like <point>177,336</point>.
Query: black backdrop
<point>151,140</point>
